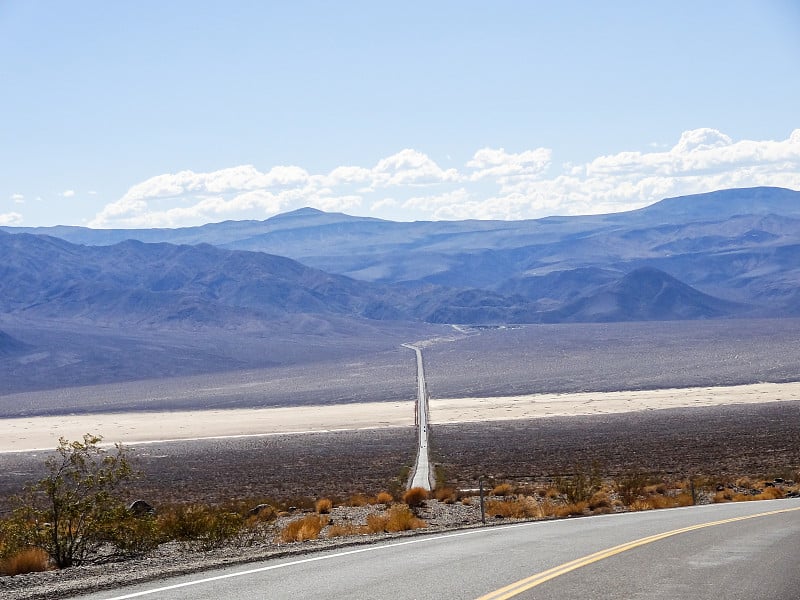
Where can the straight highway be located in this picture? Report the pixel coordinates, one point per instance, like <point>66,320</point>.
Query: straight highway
<point>422,475</point>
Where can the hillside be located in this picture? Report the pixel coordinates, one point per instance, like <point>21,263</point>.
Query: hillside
<point>645,294</point>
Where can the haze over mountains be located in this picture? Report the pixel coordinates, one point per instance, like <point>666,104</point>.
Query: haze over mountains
<point>334,281</point>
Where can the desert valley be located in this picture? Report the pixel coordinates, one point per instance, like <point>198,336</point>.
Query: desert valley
<point>661,342</point>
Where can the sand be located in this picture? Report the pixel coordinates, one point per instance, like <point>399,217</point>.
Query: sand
<point>39,433</point>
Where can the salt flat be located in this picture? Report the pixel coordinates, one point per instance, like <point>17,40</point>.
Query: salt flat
<point>34,433</point>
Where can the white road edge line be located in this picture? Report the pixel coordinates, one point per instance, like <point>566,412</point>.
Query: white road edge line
<point>315,559</point>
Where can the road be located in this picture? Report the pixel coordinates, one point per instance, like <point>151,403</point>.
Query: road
<point>733,551</point>
<point>422,476</point>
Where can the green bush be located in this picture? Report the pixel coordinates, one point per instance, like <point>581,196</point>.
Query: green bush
<point>75,509</point>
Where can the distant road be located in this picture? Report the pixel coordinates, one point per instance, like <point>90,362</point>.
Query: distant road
<point>423,476</point>
<point>735,551</point>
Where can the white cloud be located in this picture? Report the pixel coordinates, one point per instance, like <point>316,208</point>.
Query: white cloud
<point>18,198</point>
<point>410,167</point>
<point>494,183</point>
<point>68,193</point>
<point>499,164</point>
<point>383,204</point>
<point>11,219</point>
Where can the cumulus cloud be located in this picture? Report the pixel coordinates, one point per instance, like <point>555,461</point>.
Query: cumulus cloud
<point>11,219</point>
<point>499,164</point>
<point>68,193</point>
<point>493,184</point>
<point>18,198</point>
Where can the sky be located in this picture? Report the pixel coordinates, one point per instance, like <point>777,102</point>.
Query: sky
<point>171,114</point>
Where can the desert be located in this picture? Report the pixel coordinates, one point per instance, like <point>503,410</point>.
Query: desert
<point>137,428</point>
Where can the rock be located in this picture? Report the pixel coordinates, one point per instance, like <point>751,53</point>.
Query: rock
<point>141,508</point>
<point>257,509</point>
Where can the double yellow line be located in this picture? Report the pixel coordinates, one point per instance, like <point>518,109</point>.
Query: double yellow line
<point>531,582</point>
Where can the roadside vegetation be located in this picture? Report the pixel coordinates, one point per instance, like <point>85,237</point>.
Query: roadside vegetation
<point>80,513</point>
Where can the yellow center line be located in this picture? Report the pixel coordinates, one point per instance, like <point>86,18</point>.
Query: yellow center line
<point>523,585</point>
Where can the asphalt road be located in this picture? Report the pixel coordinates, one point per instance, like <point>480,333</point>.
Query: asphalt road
<point>422,476</point>
<point>707,552</point>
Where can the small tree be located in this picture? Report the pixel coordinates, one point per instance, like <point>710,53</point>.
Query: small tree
<point>74,510</point>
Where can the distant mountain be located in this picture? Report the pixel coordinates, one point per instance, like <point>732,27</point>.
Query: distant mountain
<point>645,294</point>
<point>134,283</point>
<point>724,204</point>
<point>740,245</point>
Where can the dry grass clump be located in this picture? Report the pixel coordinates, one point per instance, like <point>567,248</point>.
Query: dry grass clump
<point>641,504</point>
<point>358,500</point>
<point>502,489</point>
<point>521,508</point>
<point>447,495</point>
<point>573,509</point>
<point>384,498</point>
<point>300,530</point>
<point>398,518</point>
<point>338,530</point>
<point>29,560</point>
<point>551,493</point>
<point>323,506</point>
<point>658,488</point>
<point>769,493</point>
<point>599,501</point>
<point>415,497</point>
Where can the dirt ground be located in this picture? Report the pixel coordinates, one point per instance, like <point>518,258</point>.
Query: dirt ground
<point>720,442</point>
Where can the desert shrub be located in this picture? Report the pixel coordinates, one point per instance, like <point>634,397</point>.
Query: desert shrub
<point>74,510</point>
<point>323,506</point>
<point>135,535</point>
<point>641,504</point>
<point>630,486</point>
<point>445,494</point>
<point>769,493</point>
<point>599,501</point>
<point>415,497</point>
<point>199,526</point>
<point>344,530</point>
<point>358,500</point>
<point>376,523</point>
<point>384,498</point>
<point>502,489</point>
<point>520,508</point>
<point>400,518</point>
<point>658,488</point>
<point>684,499</point>
<point>29,560</point>
<point>572,509</point>
<point>551,493</point>
<point>725,495</point>
<point>306,528</point>
<point>581,485</point>
<point>261,513</point>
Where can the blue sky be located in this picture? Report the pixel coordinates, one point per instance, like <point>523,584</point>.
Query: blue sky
<point>139,114</point>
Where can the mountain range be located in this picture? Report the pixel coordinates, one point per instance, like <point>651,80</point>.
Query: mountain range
<point>725,253</point>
